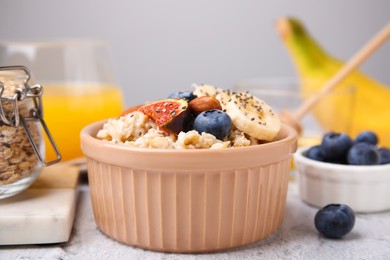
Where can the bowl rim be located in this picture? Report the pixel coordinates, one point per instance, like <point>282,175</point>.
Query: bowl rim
<point>89,133</point>
<point>300,158</point>
<point>197,160</point>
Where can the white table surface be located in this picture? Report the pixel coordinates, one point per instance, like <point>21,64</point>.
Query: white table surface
<point>297,239</point>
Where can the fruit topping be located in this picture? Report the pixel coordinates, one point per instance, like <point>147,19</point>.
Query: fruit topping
<point>170,115</point>
<point>335,145</point>
<point>204,103</point>
<point>206,90</point>
<point>253,116</point>
<point>315,153</point>
<point>363,154</point>
<point>236,118</point>
<point>215,122</point>
<point>335,220</point>
<point>188,95</point>
<point>385,155</point>
<point>367,137</point>
<point>341,149</point>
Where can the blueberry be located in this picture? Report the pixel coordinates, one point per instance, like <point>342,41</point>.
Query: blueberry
<point>367,137</point>
<point>335,145</point>
<point>363,154</point>
<point>188,95</point>
<point>215,122</point>
<point>339,160</point>
<point>335,220</point>
<point>314,153</point>
<point>385,155</point>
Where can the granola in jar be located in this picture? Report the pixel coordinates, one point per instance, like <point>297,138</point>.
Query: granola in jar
<point>21,128</point>
<point>17,157</point>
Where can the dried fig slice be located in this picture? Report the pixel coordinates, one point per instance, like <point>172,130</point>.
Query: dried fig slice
<point>170,115</point>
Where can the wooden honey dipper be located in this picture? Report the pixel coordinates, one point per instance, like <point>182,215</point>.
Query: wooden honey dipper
<point>293,118</point>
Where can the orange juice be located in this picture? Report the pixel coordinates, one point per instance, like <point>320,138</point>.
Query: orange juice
<point>70,107</point>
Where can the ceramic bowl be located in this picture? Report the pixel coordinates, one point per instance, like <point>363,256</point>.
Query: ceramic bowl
<point>365,189</point>
<point>188,200</point>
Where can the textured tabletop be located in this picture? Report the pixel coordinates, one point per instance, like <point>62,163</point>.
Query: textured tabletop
<point>297,239</point>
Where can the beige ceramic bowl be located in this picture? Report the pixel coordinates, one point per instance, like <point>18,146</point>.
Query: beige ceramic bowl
<point>188,200</point>
<point>365,189</point>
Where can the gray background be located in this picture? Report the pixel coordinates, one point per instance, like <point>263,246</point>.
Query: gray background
<point>157,47</point>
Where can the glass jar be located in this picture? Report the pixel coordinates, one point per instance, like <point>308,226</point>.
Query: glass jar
<point>22,147</point>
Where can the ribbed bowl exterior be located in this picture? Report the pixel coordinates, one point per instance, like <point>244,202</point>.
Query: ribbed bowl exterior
<point>201,208</point>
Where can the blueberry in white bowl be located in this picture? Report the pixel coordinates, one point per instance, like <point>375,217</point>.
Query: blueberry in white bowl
<point>335,145</point>
<point>339,148</point>
<point>363,154</point>
<point>315,153</point>
<point>384,155</point>
<point>367,137</point>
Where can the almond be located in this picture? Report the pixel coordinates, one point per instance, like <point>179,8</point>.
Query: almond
<point>204,103</point>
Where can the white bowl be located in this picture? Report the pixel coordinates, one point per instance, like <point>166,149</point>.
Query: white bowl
<point>364,188</point>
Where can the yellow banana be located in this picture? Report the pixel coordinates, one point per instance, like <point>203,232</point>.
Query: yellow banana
<point>371,106</point>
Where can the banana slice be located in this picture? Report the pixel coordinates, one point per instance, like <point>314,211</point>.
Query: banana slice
<point>253,116</point>
<point>206,90</point>
<point>223,97</point>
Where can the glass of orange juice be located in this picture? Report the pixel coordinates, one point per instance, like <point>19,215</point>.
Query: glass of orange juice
<point>79,87</point>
